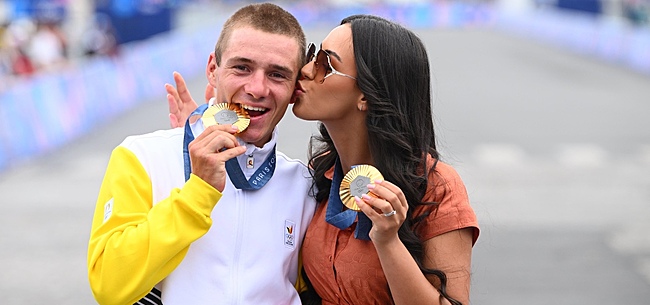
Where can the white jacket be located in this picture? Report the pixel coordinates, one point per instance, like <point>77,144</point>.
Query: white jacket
<point>148,218</point>
<point>250,254</point>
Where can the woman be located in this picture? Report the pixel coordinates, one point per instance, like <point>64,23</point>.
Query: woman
<point>374,102</point>
<point>369,86</point>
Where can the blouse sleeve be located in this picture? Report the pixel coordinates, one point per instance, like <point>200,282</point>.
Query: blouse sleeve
<point>449,209</point>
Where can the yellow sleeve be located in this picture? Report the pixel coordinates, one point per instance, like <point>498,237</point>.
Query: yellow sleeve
<point>300,285</point>
<point>134,244</point>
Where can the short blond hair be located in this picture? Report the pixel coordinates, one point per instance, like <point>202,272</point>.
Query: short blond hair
<point>266,17</point>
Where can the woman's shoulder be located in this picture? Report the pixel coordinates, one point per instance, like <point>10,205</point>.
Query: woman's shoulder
<point>445,188</point>
<point>442,174</point>
<point>449,207</point>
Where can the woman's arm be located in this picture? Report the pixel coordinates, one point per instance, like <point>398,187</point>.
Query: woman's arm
<point>448,252</point>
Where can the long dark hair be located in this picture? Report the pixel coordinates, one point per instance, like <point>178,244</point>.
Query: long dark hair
<point>393,74</point>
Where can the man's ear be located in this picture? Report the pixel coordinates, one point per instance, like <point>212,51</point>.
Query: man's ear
<point>210,70</point>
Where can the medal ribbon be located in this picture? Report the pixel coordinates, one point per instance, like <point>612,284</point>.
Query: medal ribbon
<point>261,176</point>
<point>343,219</point>
<point>257,180</point>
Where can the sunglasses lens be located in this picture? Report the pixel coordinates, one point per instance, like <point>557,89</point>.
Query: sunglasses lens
<point>311,49</point>
<point>322,66</point>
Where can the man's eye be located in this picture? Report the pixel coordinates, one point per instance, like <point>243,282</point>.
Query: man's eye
<point>240,67</point>
<point>278,75</point>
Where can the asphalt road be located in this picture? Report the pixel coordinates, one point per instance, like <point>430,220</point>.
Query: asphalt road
<point>554,149</point>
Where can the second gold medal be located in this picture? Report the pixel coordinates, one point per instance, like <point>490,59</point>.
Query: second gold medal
<point>355,183</point>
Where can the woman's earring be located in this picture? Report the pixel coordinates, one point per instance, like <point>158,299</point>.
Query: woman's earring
<point>361,108</point>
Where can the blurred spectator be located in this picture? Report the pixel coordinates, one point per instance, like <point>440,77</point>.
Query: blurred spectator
<point>5,61</point>
<point>15,41</point>
<point>100,39</point>
<point>636,11</point>
<point>21,63</point>
<point>48,46</point>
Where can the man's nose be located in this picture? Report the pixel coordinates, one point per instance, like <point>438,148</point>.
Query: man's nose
<point>258,86</point>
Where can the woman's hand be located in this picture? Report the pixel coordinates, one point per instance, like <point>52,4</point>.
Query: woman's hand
<point>387,212</point>
<point>180,101</point>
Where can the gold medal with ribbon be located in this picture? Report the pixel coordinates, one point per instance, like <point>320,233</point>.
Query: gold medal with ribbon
<point>355,183</point>
<point>226,113</point>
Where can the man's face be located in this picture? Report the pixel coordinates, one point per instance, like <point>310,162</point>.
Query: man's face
<point>258,71</point>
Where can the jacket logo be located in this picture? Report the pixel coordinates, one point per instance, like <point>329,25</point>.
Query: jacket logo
<point>108,209</point>
<point>289,234</point>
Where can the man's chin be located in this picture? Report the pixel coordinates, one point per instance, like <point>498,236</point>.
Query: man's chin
<point>245,136</point>
<point>254,137</point>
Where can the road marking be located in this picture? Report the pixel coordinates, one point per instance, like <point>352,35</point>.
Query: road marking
<point>500,154</point>
<point>576,156</point>
<point>644,268</point>
<point>633,240</point>
<point>581,155</point>
<point>644,154</point>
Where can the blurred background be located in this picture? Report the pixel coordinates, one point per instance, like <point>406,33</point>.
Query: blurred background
<point>541,105</point>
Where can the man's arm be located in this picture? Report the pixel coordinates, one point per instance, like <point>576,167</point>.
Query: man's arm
<point>135,244</point>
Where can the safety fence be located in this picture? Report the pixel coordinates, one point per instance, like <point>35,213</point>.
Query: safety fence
<point>47,111</point>
<point>612,40</point>
<point>51,109</point>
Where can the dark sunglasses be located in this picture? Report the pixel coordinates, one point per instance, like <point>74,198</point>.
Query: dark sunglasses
<point>322,67</point>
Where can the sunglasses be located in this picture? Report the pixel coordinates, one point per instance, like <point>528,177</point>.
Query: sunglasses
<point>322,67</point>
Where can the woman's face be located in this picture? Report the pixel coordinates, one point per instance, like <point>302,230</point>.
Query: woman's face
<point>329,93</point>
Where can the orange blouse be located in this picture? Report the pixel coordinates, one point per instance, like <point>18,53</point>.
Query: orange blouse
<point>346,270</point>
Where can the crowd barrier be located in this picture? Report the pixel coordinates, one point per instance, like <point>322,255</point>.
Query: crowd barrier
<point>612,40</point>
<point>41,113</point>
<point>47,111</point>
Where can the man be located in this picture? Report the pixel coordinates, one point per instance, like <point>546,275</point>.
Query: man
<point>186,223</point>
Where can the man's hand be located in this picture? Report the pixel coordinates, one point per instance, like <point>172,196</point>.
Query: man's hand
<point>180,101</point>
<point>210,151</point>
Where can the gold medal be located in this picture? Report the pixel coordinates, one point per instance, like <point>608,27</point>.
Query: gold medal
<point>226,113</point>
<point>355,183</point>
